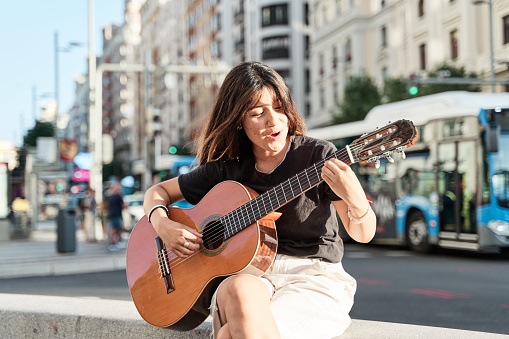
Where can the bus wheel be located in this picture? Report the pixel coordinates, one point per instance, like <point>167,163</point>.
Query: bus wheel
<point>417,233</point>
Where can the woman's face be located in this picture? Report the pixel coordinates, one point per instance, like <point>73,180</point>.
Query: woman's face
<point>266,125</point>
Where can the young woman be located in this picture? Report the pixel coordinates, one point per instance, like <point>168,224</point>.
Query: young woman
<point>255,136</point>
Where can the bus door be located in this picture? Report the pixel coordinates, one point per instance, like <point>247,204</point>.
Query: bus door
<point>457,182</point>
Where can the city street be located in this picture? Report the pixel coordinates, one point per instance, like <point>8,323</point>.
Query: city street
<point>448,289</point>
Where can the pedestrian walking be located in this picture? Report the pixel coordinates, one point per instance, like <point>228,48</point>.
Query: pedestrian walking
<point>255,136</point>
<point>115,206</point>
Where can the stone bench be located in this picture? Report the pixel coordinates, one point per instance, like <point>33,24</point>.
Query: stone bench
<point>33,316</point>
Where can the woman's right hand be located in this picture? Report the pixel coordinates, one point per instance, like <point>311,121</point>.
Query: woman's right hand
<point>182,240</point>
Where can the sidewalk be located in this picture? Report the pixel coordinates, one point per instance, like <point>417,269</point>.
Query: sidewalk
<point>38,255</point>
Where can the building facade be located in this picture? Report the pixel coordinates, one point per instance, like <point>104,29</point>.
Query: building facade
<point>400,38</point>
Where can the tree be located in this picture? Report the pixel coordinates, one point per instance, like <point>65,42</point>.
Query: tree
<point>41,129</point>
<point>361,95</point>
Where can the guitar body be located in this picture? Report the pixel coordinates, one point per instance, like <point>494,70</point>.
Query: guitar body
<point>180,300</point>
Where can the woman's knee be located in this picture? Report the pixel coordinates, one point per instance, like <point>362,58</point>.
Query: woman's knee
<point>242,287</point>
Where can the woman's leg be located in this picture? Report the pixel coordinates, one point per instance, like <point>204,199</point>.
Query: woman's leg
<point>243,301</point>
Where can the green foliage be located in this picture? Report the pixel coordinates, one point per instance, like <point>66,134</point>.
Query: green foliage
<point>41,129</point>
<point>454,72</point>
<point>395,89</point>
<point>361,95</point>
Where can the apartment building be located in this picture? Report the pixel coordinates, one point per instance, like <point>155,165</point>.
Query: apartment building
<point>276,33</point>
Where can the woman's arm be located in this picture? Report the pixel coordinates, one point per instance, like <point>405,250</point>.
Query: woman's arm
<point>360,223</point>
<point>174,235</point>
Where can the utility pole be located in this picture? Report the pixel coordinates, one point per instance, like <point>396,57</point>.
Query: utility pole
<point>95,180</point>
<point>57,106</point>
<point>492,51</point>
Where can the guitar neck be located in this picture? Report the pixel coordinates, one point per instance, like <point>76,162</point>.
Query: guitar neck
<point>273,199</point>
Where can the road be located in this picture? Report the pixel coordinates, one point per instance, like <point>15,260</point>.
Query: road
<point>448,289</point>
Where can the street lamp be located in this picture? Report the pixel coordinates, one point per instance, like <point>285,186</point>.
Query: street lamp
<point>66,49</point>
<point>492,56</point>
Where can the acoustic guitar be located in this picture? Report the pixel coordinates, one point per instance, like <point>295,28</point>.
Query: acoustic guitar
<point>239,235</point>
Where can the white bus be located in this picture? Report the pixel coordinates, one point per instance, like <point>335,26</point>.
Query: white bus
<point>452,190</point>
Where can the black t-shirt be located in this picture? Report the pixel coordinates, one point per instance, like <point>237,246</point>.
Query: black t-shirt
<point>308,226</point>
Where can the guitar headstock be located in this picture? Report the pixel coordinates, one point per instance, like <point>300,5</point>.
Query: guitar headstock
<point>381,143</point>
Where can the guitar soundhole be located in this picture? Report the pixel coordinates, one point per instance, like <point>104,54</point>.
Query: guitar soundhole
<point>213,235</point>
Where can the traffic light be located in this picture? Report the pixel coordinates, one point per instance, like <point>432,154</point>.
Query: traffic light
<point>173,150</point>
<point>413,89</point>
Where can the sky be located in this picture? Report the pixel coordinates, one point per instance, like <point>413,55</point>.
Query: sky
<point>27,58</point>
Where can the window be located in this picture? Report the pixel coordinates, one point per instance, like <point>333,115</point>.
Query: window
<point>334,57</point>
<point>320,64</point>
<point>214,52</point>
<point>306,46</point>
<point>276,47</point>
<point>383,36</point>
<point>306,13</point>
<point>348,51</point>
<point>505,24</point>
<point>453,38</point>
<point>275,15</point>
<point>422,56</point>
<point>420,8</point>
<point>285,74</point>
<point>307,84</point>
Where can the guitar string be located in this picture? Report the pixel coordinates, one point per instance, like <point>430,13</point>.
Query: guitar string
<point>340,154</point>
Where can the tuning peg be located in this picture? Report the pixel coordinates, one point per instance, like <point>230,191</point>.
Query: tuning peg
<point>391,160</point>
<point>401,150</point>
<point>377,163</point>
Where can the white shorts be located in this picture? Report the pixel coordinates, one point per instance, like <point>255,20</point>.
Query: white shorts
<point>311,298</point>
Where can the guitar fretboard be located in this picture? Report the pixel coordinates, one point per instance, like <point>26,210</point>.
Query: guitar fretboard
<point>271,200</point>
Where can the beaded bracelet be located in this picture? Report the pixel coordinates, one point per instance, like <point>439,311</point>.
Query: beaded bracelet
<point>362,219</point>
<point>154,208</point>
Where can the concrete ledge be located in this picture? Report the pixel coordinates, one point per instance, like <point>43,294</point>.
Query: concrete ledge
<point>31,316</point>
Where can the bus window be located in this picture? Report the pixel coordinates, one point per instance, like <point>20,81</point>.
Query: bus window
<point>467,168</point>
<point>448,187</point>
<point>501,170</point>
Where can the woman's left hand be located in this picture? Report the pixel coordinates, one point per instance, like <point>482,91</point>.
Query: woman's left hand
<point>343,181</point>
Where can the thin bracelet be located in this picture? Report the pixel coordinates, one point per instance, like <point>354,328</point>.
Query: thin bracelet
<point>362,219</point>
<point>154,208</point>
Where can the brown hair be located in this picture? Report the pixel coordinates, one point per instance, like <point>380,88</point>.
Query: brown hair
<point>221,138</point>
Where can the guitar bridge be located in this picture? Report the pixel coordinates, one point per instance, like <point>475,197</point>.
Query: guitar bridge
<point>164,266</point>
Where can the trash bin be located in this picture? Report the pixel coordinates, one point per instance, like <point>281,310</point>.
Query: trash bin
<point>66,230</point>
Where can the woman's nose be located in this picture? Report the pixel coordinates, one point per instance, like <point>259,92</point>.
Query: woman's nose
<point>271,117</point>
